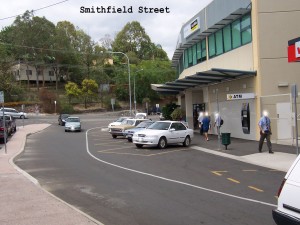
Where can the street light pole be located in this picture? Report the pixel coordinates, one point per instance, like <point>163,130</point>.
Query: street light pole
<point>129,82</point>
<point>134,96</point>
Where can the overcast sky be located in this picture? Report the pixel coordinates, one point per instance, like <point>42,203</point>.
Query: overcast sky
<point>163,28</point>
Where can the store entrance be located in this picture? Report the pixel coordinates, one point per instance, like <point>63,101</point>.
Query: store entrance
<point>197,108</point>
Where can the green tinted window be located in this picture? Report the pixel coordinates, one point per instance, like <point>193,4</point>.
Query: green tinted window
<point>227,38</point>
<point>246,29</point>
<point>194,54</point>
<point>211,45</point>
<point>190,55</point>
<point>236,34</point>
<point>186,62</point>
<point>198,50</point>
<point>219,42</point>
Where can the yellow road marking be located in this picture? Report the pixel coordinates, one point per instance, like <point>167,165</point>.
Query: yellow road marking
<point>218,173</point>
<point>256,189</point>
<point>112,149</point>
<point>233,180</point>
<point>110,143</point>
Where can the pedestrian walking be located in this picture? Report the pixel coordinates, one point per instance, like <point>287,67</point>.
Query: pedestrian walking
<point>265,130</point>
<point>200,118</point>
<point>206,126</point>
<point>218,122</point>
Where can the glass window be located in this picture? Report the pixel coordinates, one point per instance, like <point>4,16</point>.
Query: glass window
<point>227,38</point>
<point>246,29</point>
<point>219,42</point>
<point>203,50</point>
<point>194,54</point>
<point>236,34</point>
<point>211,45</point>
<point>198,51</point>
<point>190,55</point>
<point>186,61</point>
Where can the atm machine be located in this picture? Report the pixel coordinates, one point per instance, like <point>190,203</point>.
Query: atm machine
<point>245,117</point>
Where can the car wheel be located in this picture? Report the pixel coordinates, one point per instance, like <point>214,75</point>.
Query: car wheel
<point>162,143</point>
<point>187,141</point>
<point>114,136</point>
<point>138,145</point>
<point>22,117</point>
<point>129,140</point>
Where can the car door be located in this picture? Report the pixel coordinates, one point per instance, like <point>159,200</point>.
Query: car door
<point>182,132</point>
<point>175,134</point>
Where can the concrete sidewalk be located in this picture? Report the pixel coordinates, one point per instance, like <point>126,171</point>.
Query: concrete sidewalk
<point>22,200</point>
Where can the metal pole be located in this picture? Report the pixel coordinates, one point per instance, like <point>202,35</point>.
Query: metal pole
<point>134,98</point>
<point>296,124</point>
<point>294,93</point>
<point>4,129</point>
<point>129,82</point>
<point>218,128</point>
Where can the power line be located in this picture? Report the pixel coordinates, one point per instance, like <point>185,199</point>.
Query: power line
<point>36,9</point>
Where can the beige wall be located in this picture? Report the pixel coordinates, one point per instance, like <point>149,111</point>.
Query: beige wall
<point>277,24</point>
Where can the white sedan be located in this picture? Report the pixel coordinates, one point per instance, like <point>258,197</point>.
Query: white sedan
<point>162,133</point>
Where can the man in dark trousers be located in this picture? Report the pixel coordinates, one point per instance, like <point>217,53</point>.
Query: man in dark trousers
<point>264,125</point>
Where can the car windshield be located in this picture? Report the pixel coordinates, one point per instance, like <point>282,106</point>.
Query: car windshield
<point>144,124</point>
<point>120,119</point>
<point>160,126</point>
<point>130,122</point>
<point>73,120</point>
<point>65,116</point>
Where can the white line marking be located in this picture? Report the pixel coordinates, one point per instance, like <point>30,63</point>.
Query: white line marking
<point>170,180</point>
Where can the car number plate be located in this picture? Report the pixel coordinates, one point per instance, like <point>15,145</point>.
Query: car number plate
<point>140,139</point>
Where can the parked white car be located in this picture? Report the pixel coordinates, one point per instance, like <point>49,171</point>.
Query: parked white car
<point>118,121</point>
<point>13,112</point>
<point>162,133</point>
<point>288,208</point>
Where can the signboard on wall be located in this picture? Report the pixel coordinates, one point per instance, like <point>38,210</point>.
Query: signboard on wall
<point>294,50</point>
<point>191,27</point>
<point>239,96</point>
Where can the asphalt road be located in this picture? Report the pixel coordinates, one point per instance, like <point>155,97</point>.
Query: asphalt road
<point>116,183</point>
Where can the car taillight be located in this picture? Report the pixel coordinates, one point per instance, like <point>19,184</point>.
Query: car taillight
<point>280,188</point>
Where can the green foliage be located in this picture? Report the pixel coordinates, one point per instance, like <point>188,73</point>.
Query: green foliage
<point>72,90</point>
<point>178,114</point>
<point>89,90</point>
<point>168,109</point>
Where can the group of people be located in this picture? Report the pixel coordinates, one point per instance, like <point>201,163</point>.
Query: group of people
<point>205,126</point>
<point>264,125</point>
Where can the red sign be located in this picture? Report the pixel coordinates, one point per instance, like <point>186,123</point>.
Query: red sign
<point>294,50</point>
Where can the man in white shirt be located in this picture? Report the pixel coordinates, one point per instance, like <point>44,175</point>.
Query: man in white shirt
<point>264,125</point>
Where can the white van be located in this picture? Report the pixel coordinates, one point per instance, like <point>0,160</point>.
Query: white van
<point>288,208</point>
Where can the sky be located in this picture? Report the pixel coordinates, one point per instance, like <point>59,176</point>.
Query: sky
<point>163,28</point>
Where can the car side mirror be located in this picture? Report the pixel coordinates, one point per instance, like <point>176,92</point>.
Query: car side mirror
<point>172,129</point>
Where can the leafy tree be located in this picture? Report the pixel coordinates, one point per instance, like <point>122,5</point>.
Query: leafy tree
<point>168,110</point>
<point>89,89</point>
<point>34,34</point>
<point>133,38</point>
<point>72,90</point>
<point>8,82</point>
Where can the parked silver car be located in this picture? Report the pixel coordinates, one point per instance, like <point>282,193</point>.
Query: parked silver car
<point>13,112</point>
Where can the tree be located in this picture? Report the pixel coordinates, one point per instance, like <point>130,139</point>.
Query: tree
<point>34,34</point>
<point>132,38</point>
<point>72,90</point>
<point>89,89</point>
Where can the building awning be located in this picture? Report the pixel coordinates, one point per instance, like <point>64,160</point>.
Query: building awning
<point>205,78</point>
